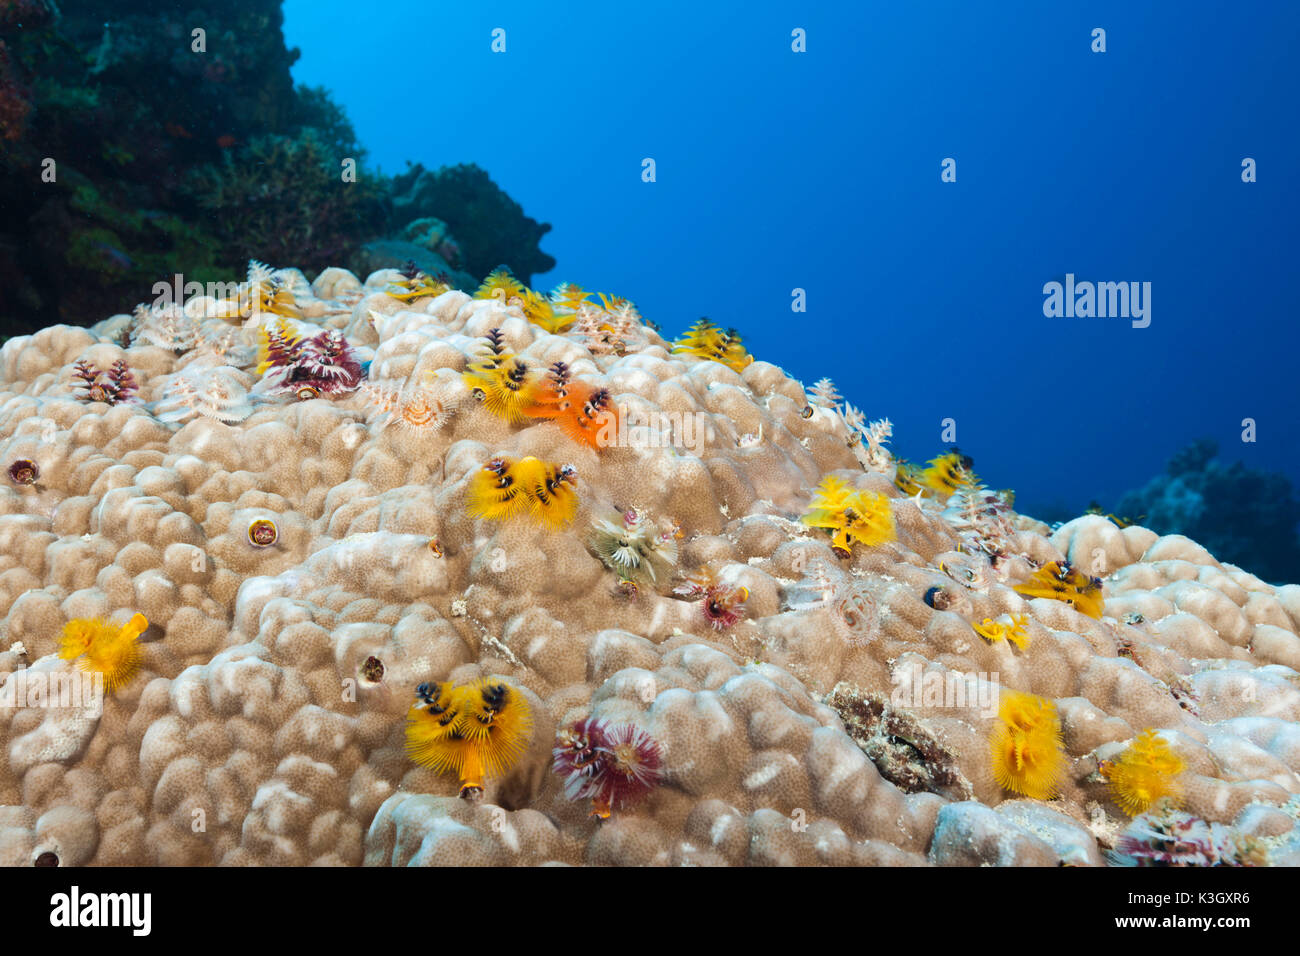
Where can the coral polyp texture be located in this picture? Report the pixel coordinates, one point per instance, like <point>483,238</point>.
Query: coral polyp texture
<point>362,589</point>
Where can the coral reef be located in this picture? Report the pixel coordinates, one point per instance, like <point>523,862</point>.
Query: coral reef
<point>489,227</point>
<point>126,109</point>
<point>164,157</point>
<point>722,686</point>
<point>1244,515</point>
<point>281,197</point>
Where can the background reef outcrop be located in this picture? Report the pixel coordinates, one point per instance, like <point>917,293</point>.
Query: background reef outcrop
<point>1241,514</point>
<point>259,729</point>
<point>173,160</point>
<point>491,227</point>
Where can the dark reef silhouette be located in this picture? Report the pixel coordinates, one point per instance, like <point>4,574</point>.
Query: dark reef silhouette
<point>175,153</point>
<point>1240,514</point>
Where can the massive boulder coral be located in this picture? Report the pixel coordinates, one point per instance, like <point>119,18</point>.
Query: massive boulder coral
<point>839,713</point>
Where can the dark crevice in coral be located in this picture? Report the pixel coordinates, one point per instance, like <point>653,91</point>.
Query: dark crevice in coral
<point>904,750</point>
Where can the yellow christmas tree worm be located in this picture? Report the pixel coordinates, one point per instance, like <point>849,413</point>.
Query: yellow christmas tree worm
<point>1007,627</point>
<point>1027,748</point>
<point>852,516</point>
<point>475,730</point>
<point>100,647</point>
<point>1146,771</point>
<point>1061,582</point>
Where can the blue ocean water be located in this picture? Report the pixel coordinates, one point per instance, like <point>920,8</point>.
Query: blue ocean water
<point>820,170</point>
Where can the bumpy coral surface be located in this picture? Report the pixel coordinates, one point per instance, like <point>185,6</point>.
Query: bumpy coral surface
<point>304,564</point>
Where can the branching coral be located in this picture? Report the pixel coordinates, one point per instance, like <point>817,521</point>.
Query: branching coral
<point>613,765</point>
<point>1060,581</point>
<point>707,341</point>
<point>506,488</point>
<point>635,549</point>
<point>1027,749</point>
<point>475,730</point>
<point>1146,771</point>
<point>851,516</point>
<point>103,648</point>
<point>1006,627</point>
<point>113,387</point>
